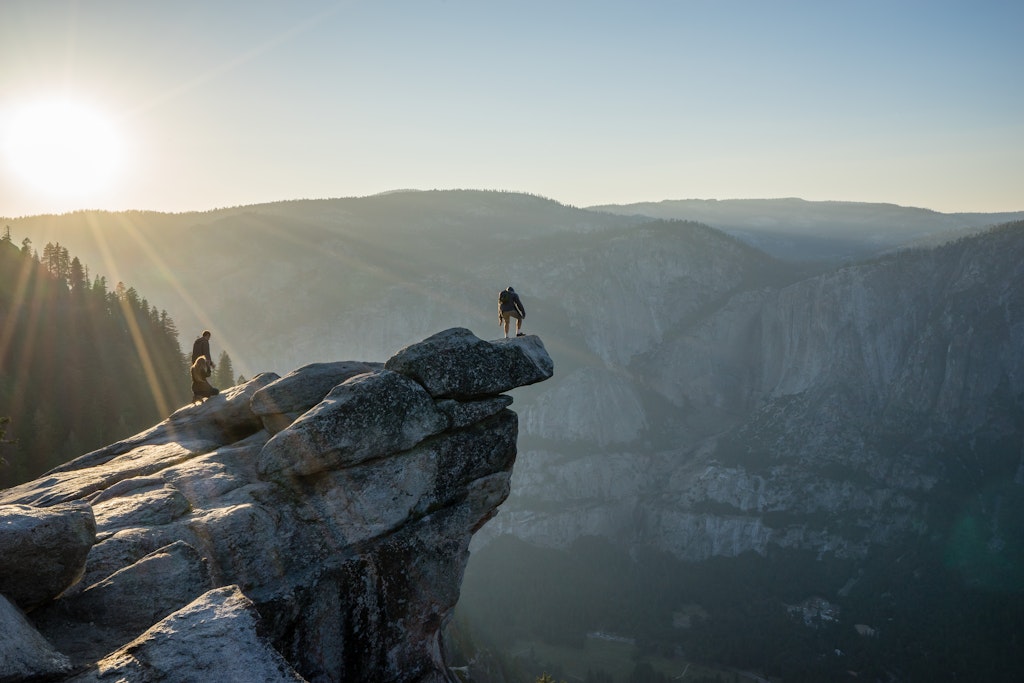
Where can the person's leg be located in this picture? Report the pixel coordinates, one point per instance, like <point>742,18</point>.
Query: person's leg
<point>504,319</point>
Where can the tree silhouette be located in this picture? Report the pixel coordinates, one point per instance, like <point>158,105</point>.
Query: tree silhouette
<point>224,375</point>
<point>82,367</point>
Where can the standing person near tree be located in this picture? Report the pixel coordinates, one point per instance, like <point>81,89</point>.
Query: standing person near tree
<point>201,347</point>
<point>510,306</point>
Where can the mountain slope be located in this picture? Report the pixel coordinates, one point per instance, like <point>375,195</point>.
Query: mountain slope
<point>852,398</point>
<point>796,229</point>
<point>845,448</point>
<point>295,270</point>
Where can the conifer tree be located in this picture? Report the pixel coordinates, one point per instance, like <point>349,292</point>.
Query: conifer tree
<point>78,277</point>
<point>224,375</point>
<point>81,366</point>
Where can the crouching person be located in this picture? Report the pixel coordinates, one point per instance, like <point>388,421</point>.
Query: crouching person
<point>201,388</point>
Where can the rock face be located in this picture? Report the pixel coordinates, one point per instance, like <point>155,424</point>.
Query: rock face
<point>866,405</point>
<point>309,527</point>
<point>23,650</point>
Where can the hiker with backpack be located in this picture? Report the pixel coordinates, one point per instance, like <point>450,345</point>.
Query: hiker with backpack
<point>510,306</point>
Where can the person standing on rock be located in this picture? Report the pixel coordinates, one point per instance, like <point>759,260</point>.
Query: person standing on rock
<point>511,306</point>
<point>201,347</point>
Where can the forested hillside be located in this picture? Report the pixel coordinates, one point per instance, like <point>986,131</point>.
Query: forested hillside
<point>81,365</point>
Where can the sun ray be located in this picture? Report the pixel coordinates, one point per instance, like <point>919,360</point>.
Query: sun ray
<point>162,401</point>
<point>18,301</point>
<point>20,368</point>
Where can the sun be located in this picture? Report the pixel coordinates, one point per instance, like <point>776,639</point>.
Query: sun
<point>63,148</point>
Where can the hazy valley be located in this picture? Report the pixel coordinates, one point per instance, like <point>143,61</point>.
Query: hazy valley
<point>830,415</point>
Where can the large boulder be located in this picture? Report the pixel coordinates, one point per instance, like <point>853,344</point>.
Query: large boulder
<point>136,597</point>
<point>367,416</point>
<point>43,550</point>
<point>282,401</point>
<point>456,363</point>
<point>215,638</point>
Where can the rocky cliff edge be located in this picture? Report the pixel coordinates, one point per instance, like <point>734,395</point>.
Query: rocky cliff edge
<point>307,527</point>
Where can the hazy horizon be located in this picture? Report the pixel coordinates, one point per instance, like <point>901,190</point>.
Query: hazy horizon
<point>118,105</point>
<point>669,200</point>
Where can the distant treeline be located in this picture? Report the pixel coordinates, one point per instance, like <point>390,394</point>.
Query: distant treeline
<point>81,365</point>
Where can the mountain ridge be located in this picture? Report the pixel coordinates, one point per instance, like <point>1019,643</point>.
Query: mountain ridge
<point>714,402</point>
<point>829,231</point>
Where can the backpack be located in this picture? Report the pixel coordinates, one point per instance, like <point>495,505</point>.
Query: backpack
<point>504,296</point>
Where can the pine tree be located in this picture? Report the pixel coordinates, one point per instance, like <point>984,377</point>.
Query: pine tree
<point>99,286</point>
<point>79,279</point>
<point>82,366</point>
<point>57,261</point>
<point>224,375</point>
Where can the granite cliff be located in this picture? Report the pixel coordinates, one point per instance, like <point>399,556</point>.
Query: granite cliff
<point>865,405</point>
<point>313,526</point>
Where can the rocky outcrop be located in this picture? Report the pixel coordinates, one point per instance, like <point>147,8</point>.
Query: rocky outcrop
<point>313,526</point>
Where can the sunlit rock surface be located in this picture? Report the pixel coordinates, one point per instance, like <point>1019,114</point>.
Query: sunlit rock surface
<point>314,526</point>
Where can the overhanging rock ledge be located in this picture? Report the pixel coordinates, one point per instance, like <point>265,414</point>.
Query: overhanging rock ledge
<point>308,527</point>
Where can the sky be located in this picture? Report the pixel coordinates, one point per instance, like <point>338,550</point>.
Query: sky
<point>201,104</point>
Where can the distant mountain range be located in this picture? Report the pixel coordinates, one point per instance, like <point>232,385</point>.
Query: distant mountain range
<point>309,270</point>
<point>795,229</point>
<point>731,377</point>
<point>670,337</point>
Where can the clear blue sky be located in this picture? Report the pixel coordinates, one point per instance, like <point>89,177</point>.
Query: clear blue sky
<point>211,103</point>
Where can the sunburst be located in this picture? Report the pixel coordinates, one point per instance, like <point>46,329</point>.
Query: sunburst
<point>62,147</point>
